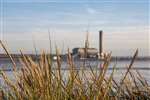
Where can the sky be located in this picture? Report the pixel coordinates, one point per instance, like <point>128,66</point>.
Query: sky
<point>27,23</point>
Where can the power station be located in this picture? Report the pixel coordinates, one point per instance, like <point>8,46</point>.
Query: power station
<point>90,52</point>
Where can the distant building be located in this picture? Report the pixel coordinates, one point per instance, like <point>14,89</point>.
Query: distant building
<point>85,53</point>
<point>88,52</point>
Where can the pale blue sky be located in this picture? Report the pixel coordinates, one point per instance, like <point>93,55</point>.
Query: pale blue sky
<point>125,24</point>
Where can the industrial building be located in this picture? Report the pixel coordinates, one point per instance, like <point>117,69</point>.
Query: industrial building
<point>89,52</point>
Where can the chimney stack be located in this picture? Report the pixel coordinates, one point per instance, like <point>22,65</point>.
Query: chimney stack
<point>100,42</point>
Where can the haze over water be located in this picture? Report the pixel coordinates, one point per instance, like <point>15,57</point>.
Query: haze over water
<point>125,24</point>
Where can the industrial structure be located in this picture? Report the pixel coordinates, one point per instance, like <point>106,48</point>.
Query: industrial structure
<point>89,52</point>
<point>100,43</point>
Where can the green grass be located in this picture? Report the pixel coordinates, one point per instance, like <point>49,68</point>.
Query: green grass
<point>38,81</point>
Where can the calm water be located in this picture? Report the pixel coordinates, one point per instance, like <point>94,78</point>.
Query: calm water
<point>142,66</point>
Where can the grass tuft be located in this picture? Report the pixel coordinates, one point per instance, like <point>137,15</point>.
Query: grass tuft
<point>38,81</point>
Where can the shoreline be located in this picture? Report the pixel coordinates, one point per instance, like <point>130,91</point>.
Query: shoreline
<point>4,57</point>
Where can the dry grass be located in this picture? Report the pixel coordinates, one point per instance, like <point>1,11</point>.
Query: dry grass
<point>38,81</point>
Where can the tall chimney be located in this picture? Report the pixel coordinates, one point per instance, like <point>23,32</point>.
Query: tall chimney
<point>100,42</point>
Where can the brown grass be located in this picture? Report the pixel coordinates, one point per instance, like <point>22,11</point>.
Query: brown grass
<point>38,81</point>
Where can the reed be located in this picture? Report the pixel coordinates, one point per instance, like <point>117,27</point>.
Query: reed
<point>38,81</point>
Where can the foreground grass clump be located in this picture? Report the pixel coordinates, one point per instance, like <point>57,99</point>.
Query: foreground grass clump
<point>37,80</point>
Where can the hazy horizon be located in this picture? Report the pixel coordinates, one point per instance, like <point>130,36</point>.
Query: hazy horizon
<point>125,25</point>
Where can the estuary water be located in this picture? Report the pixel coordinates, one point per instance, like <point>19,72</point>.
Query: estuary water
<point>142,66</point>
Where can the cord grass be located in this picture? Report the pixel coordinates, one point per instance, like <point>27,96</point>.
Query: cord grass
<point>38,81</point>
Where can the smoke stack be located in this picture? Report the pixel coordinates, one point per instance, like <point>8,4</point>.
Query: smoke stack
<point>100,42</point>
